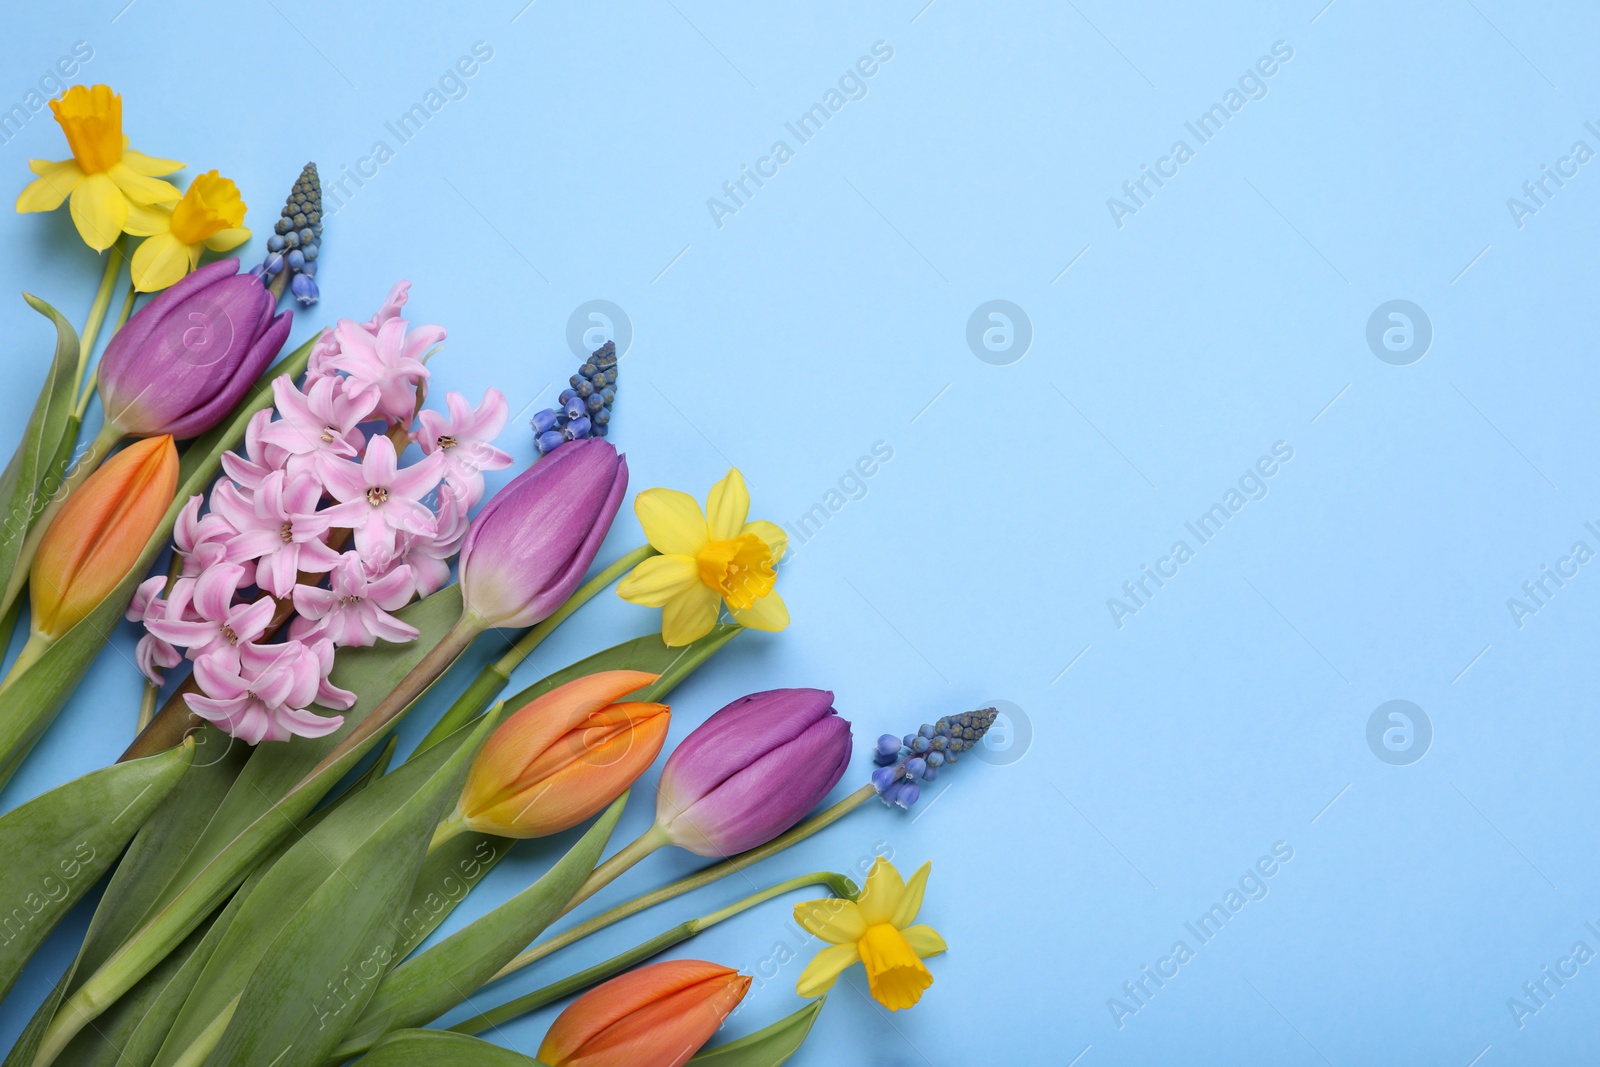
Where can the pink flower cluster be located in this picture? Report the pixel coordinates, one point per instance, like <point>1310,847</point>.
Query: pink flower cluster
<point>319,516</point>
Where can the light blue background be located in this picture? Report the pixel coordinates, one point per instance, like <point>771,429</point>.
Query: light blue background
<point>829,313</point>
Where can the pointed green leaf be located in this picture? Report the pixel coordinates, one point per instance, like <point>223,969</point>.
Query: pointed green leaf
<point>58,845</point>
<point>440,1048</point>
<point>767,1047</point>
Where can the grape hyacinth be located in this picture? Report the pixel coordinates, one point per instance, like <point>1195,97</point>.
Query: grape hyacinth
<point>905,761</point>
<point>296,239</point>
<point>584,409</point>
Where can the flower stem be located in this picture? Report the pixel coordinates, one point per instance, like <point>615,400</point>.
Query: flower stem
<point>94,375</point>
<point>450,826</point>
<point>37,645</point>
<point>691,882</point>
<point>494,677</point>
<point>97,310</point>
<point>613,868</point>
<point>838,884</point>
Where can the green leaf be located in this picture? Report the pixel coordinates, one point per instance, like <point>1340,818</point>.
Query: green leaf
<point>767,1047</point>
<point>35,472</point>
<point>58,845</point>
<point>35,696</point>
<point>440,1048</point>
<point>427,986</point>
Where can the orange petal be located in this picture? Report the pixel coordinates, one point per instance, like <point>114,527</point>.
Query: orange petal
<point>656,1016</point>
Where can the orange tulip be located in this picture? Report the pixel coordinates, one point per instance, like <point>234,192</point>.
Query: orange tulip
<point>563,757</point>
<point>99,533</point>
<point>656,1016</point>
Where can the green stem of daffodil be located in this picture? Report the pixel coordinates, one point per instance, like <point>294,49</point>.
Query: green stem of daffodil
<point>94,375</point>
<point>688,884</point>
<point>97,310</point>
<point>494,677</point>
<point>836,884</point>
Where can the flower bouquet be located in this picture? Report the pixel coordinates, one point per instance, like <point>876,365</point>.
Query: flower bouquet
<point>308,548</point>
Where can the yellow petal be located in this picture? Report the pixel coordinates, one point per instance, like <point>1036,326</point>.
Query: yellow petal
<point>55,182</point>
<point>911,900</point>
<point>772,534</point>
<point>881,897</point>
<point>226,239</point>
<point>659,579</point>
<point>825,968</point>
<point>689,616</point>
<point>672,521</point>
<point>149,166</point>
<point>142,189</point>
<point>727,505</point>
<point>924,940</point>
<point>99,210</point>
<point>769,614</point>
<point>836,921</point>
<point>159,262</point>
<point>147,221</point>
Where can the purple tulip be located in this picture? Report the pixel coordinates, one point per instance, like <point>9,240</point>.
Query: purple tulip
<point>529,547</point>
<point>752,771</point>
<point>188,357</point>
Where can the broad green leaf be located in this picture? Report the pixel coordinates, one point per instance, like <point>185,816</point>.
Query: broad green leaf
<point>440,1048</point>
<point>34,698</point>
<point>425,987</point>
<point>767,1047</point>
<point>35,471</point>
<point>58,845</point>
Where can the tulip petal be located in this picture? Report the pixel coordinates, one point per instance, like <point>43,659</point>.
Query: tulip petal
<point>836,921</point>
<point>672,521</point>
<point>884,890</point>
<point>159,262</point>
<point>727,506</point>
<point>924,940</point>
<point>141,188</point>
<point>825,968</point>
<point>659,579</point>
<point>769,614</point>
<point>689,616</point>
<point>911,902</point>
<point>772,534</point>
<point>150,166</point>
<point>99,210</point>
<point>54,184</point>
<point>659,1014</point>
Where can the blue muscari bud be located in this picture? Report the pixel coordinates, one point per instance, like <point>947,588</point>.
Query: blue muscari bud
<point>888,745</point>
<point>920,744</point>
<point>274,264</point>
<point>904,794</point>
<point>884,777</point>
<point>548,440</point>
<point>577,428</point>
<point>275,243</point>
<point>916,767</point>
<point>936,759</point>
<point>930,774</point>
<point>922,754</point>
<point>584,409</point>
<point>304,288</point>
<point>291,239</point>
<point>926,731</point>
<point>544,420</point>
<point>574,408</point>
<point>566,395</point>
<point>907,739</point>
<point>297,260</point>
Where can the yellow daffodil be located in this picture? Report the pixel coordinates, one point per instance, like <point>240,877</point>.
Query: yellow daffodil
<point>876,930</point>
<point>706,558</point>
<point>104,175</point>
<point>210,215</point>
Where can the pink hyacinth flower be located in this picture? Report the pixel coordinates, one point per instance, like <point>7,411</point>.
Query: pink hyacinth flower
<point>267,697</point>
<point>213,626</point>
<point>327,346</point>
<point>465,440</point>
<point>202,542</point>
<point>355,611</point>
<point>429,557</point>
<point>319,424</point>
<point>378,500</point>
<point>280,529</point>
<point>260,457</point>
<point>152,654</point>
<point>389,362</point>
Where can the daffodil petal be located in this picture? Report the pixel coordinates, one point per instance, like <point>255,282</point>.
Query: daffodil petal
<point>54,184</point>
<point>689,616</point>
<point>149,166</point>
<point>99,210</point>
<point>772,534</point>
<point>672,521</point>
<point>159,262</point>
<point>911,900</point>
<point>659,579</point>
<point>825,968</point>
<point>881,898</point>
<point>223,240</point>
<point>836,921</point>
<point>141,188</point>
<point>147,221</point>
<point>924,940</point>
<point>769,614</point>
<point>727,505</point>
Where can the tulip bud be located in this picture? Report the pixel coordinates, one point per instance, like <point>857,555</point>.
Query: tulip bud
<point>751,771</point>
<point>656,1016</point>
<point>563,757</point>
<point>189,356</point>
<point>530,545</point>
<point>99,533</point>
